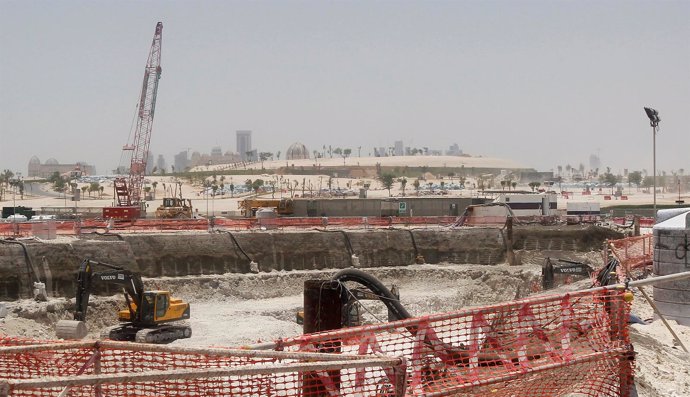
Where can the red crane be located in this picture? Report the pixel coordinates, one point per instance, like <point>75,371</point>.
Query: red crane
<point>128,190</point>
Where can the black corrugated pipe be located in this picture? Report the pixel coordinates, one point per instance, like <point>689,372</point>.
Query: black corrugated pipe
<point>418,259</point>
<point>253,266</point>
<point>107,234</point>
<point>354,260</point>
<point>39,291</point>
<point>374,285</point>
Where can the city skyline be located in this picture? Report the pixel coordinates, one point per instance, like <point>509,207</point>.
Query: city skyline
<point>537,82</point>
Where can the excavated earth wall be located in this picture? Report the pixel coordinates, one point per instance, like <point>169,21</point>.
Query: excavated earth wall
<point>174,255</point>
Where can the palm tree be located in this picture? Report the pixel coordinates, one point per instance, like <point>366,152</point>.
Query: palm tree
<point>346,154</point>
<point>403,183</point>
<point>93,187</point>
<point>387,182</point>
<point>416,186</point>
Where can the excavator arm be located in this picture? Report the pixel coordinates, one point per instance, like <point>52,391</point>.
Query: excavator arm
<point>86,277</point>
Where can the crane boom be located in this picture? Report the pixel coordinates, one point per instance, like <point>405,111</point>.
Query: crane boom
<point>128,190</point>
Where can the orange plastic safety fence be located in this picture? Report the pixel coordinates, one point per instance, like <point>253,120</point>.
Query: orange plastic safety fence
<point>635,254</point>
<point>573,344</point>
<point>114,370</point>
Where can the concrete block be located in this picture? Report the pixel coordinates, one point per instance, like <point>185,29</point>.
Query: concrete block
<point>3,310</point>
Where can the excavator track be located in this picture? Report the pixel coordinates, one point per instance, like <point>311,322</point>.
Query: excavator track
<point>163,334</point>
<point>158,335</point>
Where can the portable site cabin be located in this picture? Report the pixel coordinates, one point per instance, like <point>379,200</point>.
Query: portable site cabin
<point>530,204</point>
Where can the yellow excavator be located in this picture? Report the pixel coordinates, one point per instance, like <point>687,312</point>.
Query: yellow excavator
<point>150,316</point>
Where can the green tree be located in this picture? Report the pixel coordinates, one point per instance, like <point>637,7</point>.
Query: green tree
<point>263,156</point>
<point>635,178</point>
<point>387,182</point>
<point>257,184</point>
<point>93,187</point>
<point>59,184</point>
<point>248,184</point>
<point>403,184</point>
<point>346,154</point>
<point>415,184</point>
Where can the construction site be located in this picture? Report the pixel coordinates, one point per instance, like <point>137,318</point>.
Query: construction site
<point>489,294</point>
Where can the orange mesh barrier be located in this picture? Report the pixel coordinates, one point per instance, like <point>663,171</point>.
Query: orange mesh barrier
<point>128,369</point>
<point>555,345</point>
<point>573,344</point>
<point>633,253</point>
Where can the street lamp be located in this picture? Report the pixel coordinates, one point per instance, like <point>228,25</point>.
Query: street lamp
<point>654,120</point>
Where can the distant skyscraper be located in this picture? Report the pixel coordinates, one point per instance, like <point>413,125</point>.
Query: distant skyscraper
<point>244,143</point>
<point>594,162</point>
<point>398,148</point>
<point>149,163</point>
<point>181,161</point>
<point>161,164</point>
<point>454,150</point>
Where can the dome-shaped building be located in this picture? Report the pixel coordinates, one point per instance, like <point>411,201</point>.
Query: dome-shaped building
<point>52,161</point>
<point>297,151</point>
<point>34,166</point>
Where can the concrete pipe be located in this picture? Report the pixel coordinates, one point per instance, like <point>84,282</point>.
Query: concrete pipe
<point>70,329</point>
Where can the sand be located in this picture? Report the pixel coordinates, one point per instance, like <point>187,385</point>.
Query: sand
<point>41,195</point>
<point>239,309</point>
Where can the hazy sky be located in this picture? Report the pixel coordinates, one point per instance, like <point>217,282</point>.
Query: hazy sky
<point>540,82</point>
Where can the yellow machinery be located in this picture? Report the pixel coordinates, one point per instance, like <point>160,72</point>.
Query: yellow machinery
<point>174,207</point>
<point>149,315</point>
<point>249,206</point>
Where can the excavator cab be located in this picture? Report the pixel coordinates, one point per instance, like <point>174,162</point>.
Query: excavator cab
<point>157,307</point>
<point>146,316</point>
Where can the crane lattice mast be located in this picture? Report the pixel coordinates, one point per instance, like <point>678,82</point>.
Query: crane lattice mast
<point>131,195</point>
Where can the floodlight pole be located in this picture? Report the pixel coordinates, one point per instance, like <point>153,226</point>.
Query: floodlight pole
<point>654,122</point>
<point>654,127</point>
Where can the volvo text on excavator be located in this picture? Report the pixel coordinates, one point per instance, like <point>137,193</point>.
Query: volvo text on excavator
<point>150,316</point>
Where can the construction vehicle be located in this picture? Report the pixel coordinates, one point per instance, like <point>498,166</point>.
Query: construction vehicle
<point>150,316</point>
<point>175,206</point>
<point>128,191</point>
<point>567,268</point>
<point>249,206</point>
